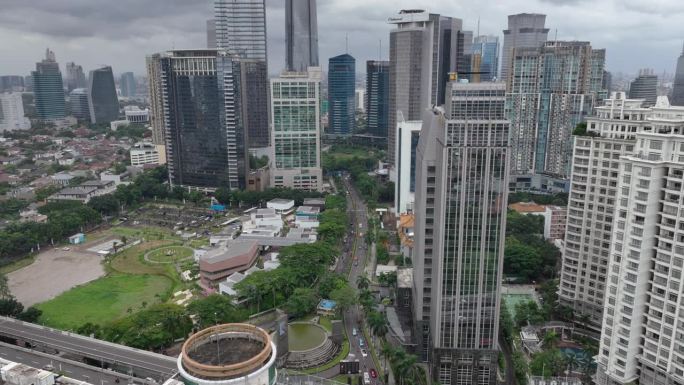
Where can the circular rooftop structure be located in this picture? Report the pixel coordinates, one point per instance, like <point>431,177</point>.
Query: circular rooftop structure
<point>228,354</point>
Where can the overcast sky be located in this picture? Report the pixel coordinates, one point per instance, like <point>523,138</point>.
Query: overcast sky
<point>636,33</point>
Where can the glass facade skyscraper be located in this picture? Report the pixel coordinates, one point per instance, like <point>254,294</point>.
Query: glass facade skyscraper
<point>645,86</point>
<point>461,192</point>
<point>48,89</point>
<point>201,101</point>
<point>301,35</point>
<point>102,99</point>
<point>128,85</point>
<point>487,47</point>
<point>341,101</point>
<point>678,87</point>
<point>377,95</point>
<point>75,77</point>
<point>525,30</point>
<point>240,28</point>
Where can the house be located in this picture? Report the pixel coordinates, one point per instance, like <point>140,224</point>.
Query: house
<point>84,192</point>
<point>315,202</point>
<point>77,239</point>
<point>122,178</point>
<point>62,178</point>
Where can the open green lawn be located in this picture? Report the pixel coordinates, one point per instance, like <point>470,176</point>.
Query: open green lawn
<point>170,254</point>
<point>102,300</point>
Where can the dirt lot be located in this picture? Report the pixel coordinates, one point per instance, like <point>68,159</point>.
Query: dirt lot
<point>54,272</point>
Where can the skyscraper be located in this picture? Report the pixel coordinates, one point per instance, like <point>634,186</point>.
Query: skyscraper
<point>80,109</point>
<point>377,95</point>
<point>645,86</point>
<point>200,93</point>
<point>211,33</point>
<point>296,143</point>
<point>154,85</point>
<point>550,90</point>
<point>301,35</point>
<point>525,30</point>
<point>424,49</point>
<point>341,101</point>
<point>487,47</point>
<point>640,257</point>
<point>102,100</point>
<point>12,112</point>
<point>48,89</point>
<point>75,77</point>
<point>241,29</point>
<point>11,83</point>
<point>461,192</point>
<point>128,85</point>
<point>678,88</point>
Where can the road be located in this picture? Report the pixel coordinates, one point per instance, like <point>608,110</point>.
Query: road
<point>141,363</point>
<point>70,368</point>
<point>358,249</point>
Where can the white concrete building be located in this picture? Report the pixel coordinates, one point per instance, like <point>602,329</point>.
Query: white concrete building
<point>147,153</point>
<point>281,206</point>
<point>296,125</point>
<point>591,205</point>
<point>360,99</point>
<point>641,338</point>
<point>267,218</point>
<point>135,115</point>
<point>12,112</point>
<point>555,218</point>
<point>408,133</point>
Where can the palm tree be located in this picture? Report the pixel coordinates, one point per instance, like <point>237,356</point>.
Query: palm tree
<point>378,324</point>
<point>362,282</point>
<point>387,352</point>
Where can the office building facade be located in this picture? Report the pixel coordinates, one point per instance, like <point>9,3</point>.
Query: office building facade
<point>128,85</point>
<point>211,33</point>
<point>645,86</point>
<point>154,84</point>
<point>241,29</point>
<point>678,87</point>
<point>301,35</point>
<point>341,95</point>
<point>11,83</point>
<point>202,106</point>
<point>424,49</point>
<point>525,30</point>
<point>462,189</point>
<point>12,112</point>
<point>485,58</point>
<point>641,337</point>
<point>102,99</point>
<point>75,77</point>
<point>377,95</point>
<point>48,89</point>
<point>550,90</point>
<point>80,109</point>
<point>408,134</point>
<point>296,137</point>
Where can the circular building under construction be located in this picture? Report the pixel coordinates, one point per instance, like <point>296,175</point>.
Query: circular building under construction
<point>228,354</point>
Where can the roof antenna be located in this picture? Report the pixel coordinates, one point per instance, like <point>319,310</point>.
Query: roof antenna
<point>380,50</point>
<point>346,43</point>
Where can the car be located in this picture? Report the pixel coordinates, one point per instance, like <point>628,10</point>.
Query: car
<point>364,353</point>
<point>360,342</point>
<point>373,373</point>
<point>66,249</point>
<point>49,367</point>
<point>366,379</point>
<point>354,331</point>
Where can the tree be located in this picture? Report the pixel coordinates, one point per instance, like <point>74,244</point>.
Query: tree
<point>31,314</point>
<point>330,282</point>
<point>362,282</point>
<point>302,302</point>
<point>5,292</point>
<point>550,340</point>
<point>344,297</point>
<point>104,204</point>
<point>378,323</point>
<point>213,309</point>
<point>521,260</point>
<point>506,322</point>
<point>10,307</point>
<point>547,363</point>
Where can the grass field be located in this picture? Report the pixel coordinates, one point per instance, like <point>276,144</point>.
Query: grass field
<point>169,254</point>
<point>18,264</point>
<point>102,300</point>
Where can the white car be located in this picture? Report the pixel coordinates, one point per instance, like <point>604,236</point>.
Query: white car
<point>354,331</point>
<point>364,353</point>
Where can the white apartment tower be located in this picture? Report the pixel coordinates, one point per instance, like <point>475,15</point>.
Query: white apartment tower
<point>12,112</point>
<point>296,130</point>
<point>642,337</point>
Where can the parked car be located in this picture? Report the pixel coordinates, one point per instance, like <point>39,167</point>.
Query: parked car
<point>360,342</point>
<point>366,379</point>
<point>373,373</point>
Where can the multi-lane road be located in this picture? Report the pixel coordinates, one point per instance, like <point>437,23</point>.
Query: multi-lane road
<point>139,363</point>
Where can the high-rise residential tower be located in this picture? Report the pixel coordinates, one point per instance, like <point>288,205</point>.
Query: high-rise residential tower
<point>301,35</point>
<point>201,99</point>
<point>642,254</point>
<point>525,30</point>
<point>48,89</point>
<point>424,49</point>
<point>241,29</point>
<point>377,95</point>
<point>461,192</point>
<point>75,77</point>
<point>645,86</point>
<point>12,112</point>
<point>102,99</point>
<point>128,85</point>
<point>678,88</point>
<point>487,47</point>
<point>550,90</point>
<point>296,137</point>
<point>154,86</point>
<point>341,96</point>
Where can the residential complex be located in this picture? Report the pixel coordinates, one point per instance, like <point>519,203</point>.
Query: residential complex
<point>678,86</point>
<point>240,27</point>
<point>154,82</point>
<point>48,89</point>
<point>376,98</point>
<point>341,100</point>
<point>461,191</point>
<point>142,154</point>
<point>200,96</point>
<point>12,112</point>
<point>296,136</point>
<point>525,30</point>
<point>645,86</point>
<point>102,99</point>
<point>301,35</point>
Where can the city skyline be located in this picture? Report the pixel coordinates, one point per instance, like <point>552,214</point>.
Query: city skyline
<point>124,39</point>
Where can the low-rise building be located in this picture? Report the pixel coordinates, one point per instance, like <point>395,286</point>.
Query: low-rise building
<point>555,218</point>
<point>144,153</point>
<point>121,178</point>
<point>219,263</point>
<point>307,217</point>
<point>281,206</point>
<point>84,192</point>
<point>266,218</point>
<point>135,115</point>
<point>315,202</point>
<point>527,208</point>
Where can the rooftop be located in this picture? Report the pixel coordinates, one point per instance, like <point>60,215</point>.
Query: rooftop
<point>527,207</point>
<point>405,278</point>
<point>240,250</point>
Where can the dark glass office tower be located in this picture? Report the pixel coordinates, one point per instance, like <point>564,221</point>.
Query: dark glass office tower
<point>377,95</point>
<point>102,100</point>
<point>678,88</point>
<point>301,35</point>
<point>48,89</point>
<point>240,28</point>
<point>205,139</point>
<point>341,86</point>
<point>645,86</point>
